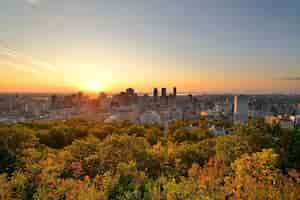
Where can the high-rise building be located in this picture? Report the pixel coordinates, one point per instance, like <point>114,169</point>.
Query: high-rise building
<point>164,92</point>
<point>174,92</point>
<point>53,101</point>
<point>155,94</point>
<point>240,109</point>
<point>102,95</point>
<point>130,91</point>
<point>164,98</point>
<point>190,98</point>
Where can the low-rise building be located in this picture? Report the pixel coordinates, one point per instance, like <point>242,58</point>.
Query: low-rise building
<point>113,118</point>
<point>150,117</point>
<point>286,124</point>
<point>217,130</point>
<point>297,121</point>
<point>270,119</point>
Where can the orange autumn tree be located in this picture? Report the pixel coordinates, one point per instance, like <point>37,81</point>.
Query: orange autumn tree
<point>256,176</point>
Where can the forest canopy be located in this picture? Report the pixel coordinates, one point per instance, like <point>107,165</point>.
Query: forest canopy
<point>88,160</point>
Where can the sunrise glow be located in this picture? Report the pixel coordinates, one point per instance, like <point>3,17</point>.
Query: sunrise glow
<point>195,45</point>
<point>93,86</point>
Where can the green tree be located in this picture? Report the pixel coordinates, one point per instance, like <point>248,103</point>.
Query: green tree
<point>57,137</point>
<point>13,140</point>
<point>114,150</point>
<point>294,149</point>
<point>231,147</point>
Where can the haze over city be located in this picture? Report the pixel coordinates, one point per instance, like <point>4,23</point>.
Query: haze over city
<point>199,46</point>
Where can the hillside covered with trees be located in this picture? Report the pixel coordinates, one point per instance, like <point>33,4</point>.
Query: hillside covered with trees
<point>87,160</point>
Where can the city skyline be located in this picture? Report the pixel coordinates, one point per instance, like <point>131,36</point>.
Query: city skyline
<point>199,46</point>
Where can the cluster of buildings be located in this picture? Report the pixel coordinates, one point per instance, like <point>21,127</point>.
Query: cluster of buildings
<point>23,107</point>
<point>14,108</point>
<point>165,108</point>
<point>145,108</point>
<point>286,122</point>
<point>159,107</point>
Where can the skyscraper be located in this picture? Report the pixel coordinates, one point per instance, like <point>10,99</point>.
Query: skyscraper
<point>164,98</point>
<point>130,91</point>
<point>240,109</point>
<point>163,92</point>
<point>174,92</point>
<point>155,94</point>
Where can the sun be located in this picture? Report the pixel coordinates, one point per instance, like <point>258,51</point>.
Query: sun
<point>93,86</point>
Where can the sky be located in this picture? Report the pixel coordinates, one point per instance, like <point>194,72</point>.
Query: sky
<point>211,46</point>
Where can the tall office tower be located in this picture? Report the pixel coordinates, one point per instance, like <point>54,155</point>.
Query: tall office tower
<point>174,92</point>
<point>164,98</point>
<point>130,91</point>
<point>53,101</point>
<point>155,94</point>
<point>164,92</point>
<point>190,97</point>
<point>240,109</point>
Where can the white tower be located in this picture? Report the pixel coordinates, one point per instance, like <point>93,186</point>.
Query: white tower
<point>240,112</point>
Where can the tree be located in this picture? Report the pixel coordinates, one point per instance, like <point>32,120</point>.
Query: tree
<point>255,176</point>
<point>294,149</point>
<point>13,140</point>
<point>210,178</point>
<point>114,150</point>
<point>5,189</point>
<point>128,183</point>
<point>184,155</point>
<point>153,135</point>
<point>57,137</point>
<point>231,147</point>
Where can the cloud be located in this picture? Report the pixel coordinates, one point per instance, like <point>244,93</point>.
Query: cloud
<point>35,64</point>
<point>19,67</point>
<point>44,65</point>
<point>33,2</point>
<point>291,78</point>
